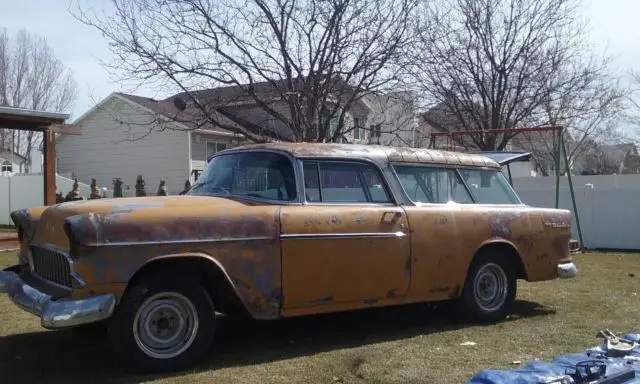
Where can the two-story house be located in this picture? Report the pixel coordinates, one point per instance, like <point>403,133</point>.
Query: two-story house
<point>125,135</point>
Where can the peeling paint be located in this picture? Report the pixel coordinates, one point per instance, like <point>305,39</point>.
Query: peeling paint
<point>322,300</point>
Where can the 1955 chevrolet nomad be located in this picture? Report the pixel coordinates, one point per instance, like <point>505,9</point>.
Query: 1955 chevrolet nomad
<point>281,230</point>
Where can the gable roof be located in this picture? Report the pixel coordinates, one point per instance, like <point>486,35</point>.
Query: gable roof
<point>229,97</point>
<point>6,155</point>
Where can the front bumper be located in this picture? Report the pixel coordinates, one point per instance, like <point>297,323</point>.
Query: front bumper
<point>60,313</point>
<point>567,270</point>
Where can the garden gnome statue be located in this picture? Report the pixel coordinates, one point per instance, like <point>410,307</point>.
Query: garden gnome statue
<point>140,186</point>
<point>162,189</point>
<point>74,195</point>
<point>117,187</point>
<point>95,192</point>
<point>59,197</point>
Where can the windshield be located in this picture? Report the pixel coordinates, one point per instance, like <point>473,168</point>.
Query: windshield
<point>263,175</point>
<point>427,184</point>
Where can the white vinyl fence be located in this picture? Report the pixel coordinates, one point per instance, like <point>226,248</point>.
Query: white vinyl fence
<point>608,205</point>
<point>26,191</point>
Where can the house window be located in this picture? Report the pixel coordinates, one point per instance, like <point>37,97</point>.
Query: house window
<point>6,166</point>
<point>377,130</point>
<point>356,130</point>
<point>214,147</point>
<point>333,125</point>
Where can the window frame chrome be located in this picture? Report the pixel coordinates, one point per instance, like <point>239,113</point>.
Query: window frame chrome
<point>393,201</point>
<point>457,169</point>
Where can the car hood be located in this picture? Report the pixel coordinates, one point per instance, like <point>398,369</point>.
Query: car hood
<point>143,219</point>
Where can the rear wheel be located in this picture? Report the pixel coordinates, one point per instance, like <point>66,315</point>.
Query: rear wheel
<point>164,323</point>
<point>490,288</point>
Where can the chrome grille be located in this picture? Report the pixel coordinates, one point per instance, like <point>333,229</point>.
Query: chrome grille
<point>51,265</point>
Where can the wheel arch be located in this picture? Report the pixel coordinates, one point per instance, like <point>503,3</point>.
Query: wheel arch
<point>506,247</point>
<point>213,276</point>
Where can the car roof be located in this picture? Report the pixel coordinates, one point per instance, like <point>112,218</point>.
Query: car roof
<point>377,153</point>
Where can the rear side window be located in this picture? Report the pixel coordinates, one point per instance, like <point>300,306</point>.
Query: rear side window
<point>489,186</point>
<point>343,182</point>
<point>432,185</point>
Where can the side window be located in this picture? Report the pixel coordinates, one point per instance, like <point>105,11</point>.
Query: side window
<point>432,185</point>
<point>311,181</point>
<point>489,187</point>
<point>334,181</point>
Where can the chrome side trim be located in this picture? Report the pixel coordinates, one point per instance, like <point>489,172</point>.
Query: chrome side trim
<point>341,235</point>
<point>55,314</point>
<point>186,241</point>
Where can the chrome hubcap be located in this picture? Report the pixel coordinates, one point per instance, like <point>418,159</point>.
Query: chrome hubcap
<point>165,325</point>
<point>491,287</point>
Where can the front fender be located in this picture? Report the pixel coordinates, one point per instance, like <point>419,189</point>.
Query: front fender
<point>260,294</point>
<point>245,247</point>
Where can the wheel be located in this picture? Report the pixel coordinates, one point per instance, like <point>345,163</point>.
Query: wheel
<point>490,288</point>
<point>164,323</point>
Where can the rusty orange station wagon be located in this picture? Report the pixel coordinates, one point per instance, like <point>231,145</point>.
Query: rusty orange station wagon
<point>282,230</point>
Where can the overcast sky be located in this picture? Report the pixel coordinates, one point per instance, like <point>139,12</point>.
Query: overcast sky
<point>614,25</point>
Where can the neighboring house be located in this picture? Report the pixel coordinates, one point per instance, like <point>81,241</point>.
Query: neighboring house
<point>393,120</point>
<point>126,135</point>
<point>609,159</point>
<point>11,163</point>
<point>17,164</point>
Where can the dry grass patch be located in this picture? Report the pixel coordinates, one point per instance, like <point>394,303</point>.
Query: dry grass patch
<point>412,344</point>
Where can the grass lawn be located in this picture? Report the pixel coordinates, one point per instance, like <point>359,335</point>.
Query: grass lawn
<point>7,228</point>
<point>410,344</point>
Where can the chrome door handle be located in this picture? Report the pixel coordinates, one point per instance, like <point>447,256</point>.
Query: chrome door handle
<point>394,217</point>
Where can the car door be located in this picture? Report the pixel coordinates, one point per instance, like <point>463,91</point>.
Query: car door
<point>438,223</point>
<point>348,244</point>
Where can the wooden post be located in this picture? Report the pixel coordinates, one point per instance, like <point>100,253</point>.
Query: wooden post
<point>49,146</point>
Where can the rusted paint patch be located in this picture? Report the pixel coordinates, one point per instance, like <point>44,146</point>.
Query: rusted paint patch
<point>322,300</point>
<point>407,265</point>
<point>501,223</point>
<point>440,289</point>
<point>455,292</point>
<point>121,227</point>
<point>440,220</point>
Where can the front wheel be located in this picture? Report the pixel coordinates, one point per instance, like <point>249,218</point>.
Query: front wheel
<point>164,323</point>
<point>490,288</point>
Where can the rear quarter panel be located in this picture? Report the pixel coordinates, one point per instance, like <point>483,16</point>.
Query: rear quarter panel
<point>540,236</point>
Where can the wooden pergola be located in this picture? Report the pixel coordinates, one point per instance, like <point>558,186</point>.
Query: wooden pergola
<point>49,124</point>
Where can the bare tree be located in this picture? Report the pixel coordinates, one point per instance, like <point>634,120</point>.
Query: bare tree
<point>494,64</point>
<point>31,77</point>
<point>306,65</point>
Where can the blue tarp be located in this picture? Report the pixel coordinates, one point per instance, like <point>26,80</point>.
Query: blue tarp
<point>532,372</point>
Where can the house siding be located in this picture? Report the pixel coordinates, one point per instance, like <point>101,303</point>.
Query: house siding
<point>396,115</point>
<point>104,150</point>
